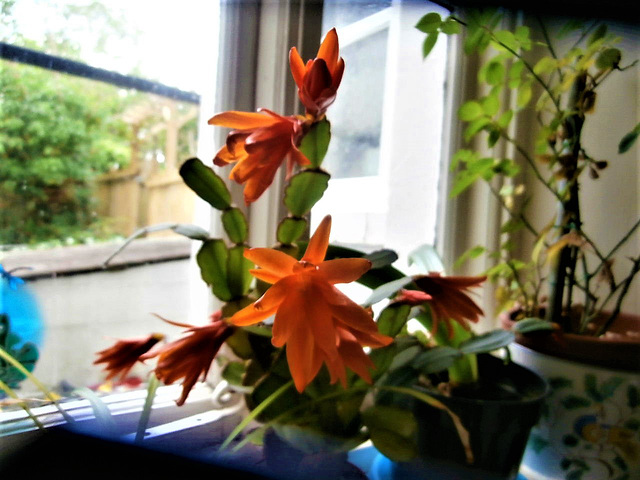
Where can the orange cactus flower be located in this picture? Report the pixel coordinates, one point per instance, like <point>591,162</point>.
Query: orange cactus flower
<point>319,79</point>
<point>191,356</point>
<point>450,299</point>
<point>316,321</point>
<point>258,144</point>
<point>122,356</point>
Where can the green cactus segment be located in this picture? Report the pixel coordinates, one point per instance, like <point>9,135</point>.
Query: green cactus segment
<point>315,143</point>
<point>238,276</point>
<point>212,259</point>
<point>304,190</point>
<point>235,224</point>
<point>205,183</point>
<point>290,229</point>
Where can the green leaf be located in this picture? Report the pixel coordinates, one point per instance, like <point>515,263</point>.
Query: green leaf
<point>472,253</point>
<point>233,372</point>
<point>426,257</point>
<point>386,291</point>
<point>429,23</point>
<point>491,105</point>
<point>527,325</point>
<point>290,229</point>
<point>522,35</point>
<point>598,34</point>
<point>450,27</point>
<point>392,431</point>
<point>470,111</point>
<point>316,141</point>
<point>495,73</point>
<point>212,259</point>
<point>429,43</point>
<point>487,342</point>
<point>238,276</point>
<point>515,74</point>
<point>629,139</point>
<point>524,95</point>
<point>436,359</point>
<point>235,225</point>
<point>507,38</point>
<point>304,191</point>
<point>610,58</point>
<point>205,183</point>
<point>569,27</point>
<point>545,65</point>
<point>475,126</point>
<point>392,319</point>
<point>505,119</point>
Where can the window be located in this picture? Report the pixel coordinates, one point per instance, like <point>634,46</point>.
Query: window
<point>386,129</point>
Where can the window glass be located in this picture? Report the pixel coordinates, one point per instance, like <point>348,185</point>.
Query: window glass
<point>86,161</point>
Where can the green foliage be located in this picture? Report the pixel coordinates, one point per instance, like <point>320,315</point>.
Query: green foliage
<point>57,134</point>
<point>560,90</point>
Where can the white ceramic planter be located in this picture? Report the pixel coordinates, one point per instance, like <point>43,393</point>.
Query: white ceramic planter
<point>590,426</point>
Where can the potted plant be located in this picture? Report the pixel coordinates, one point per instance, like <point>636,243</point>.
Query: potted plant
<point>563,295</point>
<point>319,374</point>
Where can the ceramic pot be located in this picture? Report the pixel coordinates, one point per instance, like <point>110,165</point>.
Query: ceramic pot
<point>590,426</point>
<point>590,423</point>
<point>498,428</point>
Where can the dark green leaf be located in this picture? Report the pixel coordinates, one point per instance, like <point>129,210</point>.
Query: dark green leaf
<point>233,372</point>
<point>591,388</point>
<point>436,359</point>
<point>316,141</point>
<point>494,136</point>
<point>304,190</point>
<point>572,402</point>
<point>205,183</point>
<point>392,431</point>
<point>426,257</point>
<point>238,276</point>
<point>429,23</point>
<point>235,225</point>
<point>191,231</point>
<point>290,229</point>
<point>610,58</point>
<point>386,291</point>
<point>392,319</point>
<point>429,43</point>
<point>212,260</point>
<point>487,342</point>
<point>629,139</point>
<point>599,33</point>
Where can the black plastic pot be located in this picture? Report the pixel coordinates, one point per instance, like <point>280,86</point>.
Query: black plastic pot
<point>498,427</point>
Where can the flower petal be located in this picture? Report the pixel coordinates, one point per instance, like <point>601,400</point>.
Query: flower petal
<point>344,270</point>
<point>250,315</point>
<point>329,49</point>
<point>274,261</point>
<point>300,357</point>
<point>297,66</point>
<point>319,242</point>
<point>242,120</point>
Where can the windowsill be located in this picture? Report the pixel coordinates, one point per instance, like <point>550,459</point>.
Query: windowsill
<point>89,258</point>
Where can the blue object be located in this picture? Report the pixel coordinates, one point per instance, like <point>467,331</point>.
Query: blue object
<point>378,467</point>
<point>21,306</point>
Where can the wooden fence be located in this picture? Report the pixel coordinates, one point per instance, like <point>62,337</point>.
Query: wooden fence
<point>149,191</point>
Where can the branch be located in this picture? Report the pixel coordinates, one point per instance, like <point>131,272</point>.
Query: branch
<point>626,284</point>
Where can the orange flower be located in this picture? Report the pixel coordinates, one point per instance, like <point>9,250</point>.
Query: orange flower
<point>122,356</point>
<point>319,79</point>
<point>258,144</point>
<point>316,321</point>
<point>449,299</point>
<point>191,356</point>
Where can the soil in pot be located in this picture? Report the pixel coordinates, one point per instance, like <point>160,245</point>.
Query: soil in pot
<point>498,413</point>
